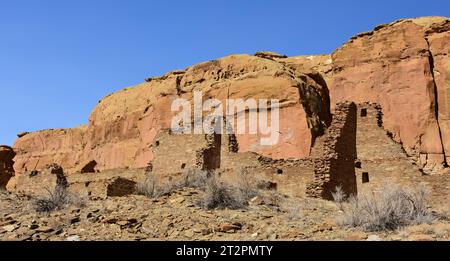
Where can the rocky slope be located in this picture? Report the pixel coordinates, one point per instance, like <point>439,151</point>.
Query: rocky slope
<point>403,66</point>
<point>177,217</point>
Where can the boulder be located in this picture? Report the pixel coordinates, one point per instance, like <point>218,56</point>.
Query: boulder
<point>89,167</point>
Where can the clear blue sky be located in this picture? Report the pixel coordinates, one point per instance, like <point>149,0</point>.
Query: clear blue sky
<point>58,58</point>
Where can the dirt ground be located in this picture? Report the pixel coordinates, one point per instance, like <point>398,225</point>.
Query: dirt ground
<point>178,216</point>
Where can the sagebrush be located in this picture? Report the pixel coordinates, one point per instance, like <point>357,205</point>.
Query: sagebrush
<point>217,194</point>
<point>151,187</point>
<point>57,199</point>
<point>194,178</point>
<point>148,186</point>
<point>392,208</point>
<point>220,195</point>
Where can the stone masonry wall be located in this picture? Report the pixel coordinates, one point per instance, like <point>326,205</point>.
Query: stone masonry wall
<point>381,160</point>
<point>334,155</point>
<point>173,154</point>
<point>358,154</point>
<point>208,158</point>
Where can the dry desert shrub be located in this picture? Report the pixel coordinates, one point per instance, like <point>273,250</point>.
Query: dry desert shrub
<point>57,199</point>
<point>339,197</point>
<point>151,187</point>
<point>232,194</point>
<point>392,208</point>
<point>246,184</point>
<point>294,212</point>
<point>148,186</point>
<point>219,195</point>
<point>194,178</point>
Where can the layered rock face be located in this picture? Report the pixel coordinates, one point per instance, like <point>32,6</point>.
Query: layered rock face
<point>393,66</point>
<point>6,165</point>
<point>438,38</point>
<point>37,150</point>
<point>124,125</point>
<point>402,66</point>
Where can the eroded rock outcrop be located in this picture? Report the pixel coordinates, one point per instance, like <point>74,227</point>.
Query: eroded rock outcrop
<point>37,150</point>
<point>438,38</point>
<point>392,66</point>
<point>6,165</point>
<point>124,124</point>
<point>402,66</point>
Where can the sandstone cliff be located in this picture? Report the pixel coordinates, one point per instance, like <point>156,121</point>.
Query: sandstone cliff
<point>403,66</point>
<point>123,125</point>
<point>393,65</point>
<point>6,165</point>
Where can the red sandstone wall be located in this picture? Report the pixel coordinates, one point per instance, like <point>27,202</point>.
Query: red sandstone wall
<point>402,66</point>
<point>124,125</point>
<point>393,66</point>
<point>6,165</point>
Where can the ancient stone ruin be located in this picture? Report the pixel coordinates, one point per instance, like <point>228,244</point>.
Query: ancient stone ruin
<point>377,109</point>
<point>335,154</point>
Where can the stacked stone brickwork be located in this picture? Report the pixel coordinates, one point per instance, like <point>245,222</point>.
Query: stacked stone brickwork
<point>381,160</point>
<point>112,183</point>
<point>175,153</point>
<point>208,158</point>
<point>335,154</point>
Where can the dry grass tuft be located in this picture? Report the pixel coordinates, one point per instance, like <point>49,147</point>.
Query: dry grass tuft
<point>57,199</point>
<point>219,195</point>
<point>393,208</point>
